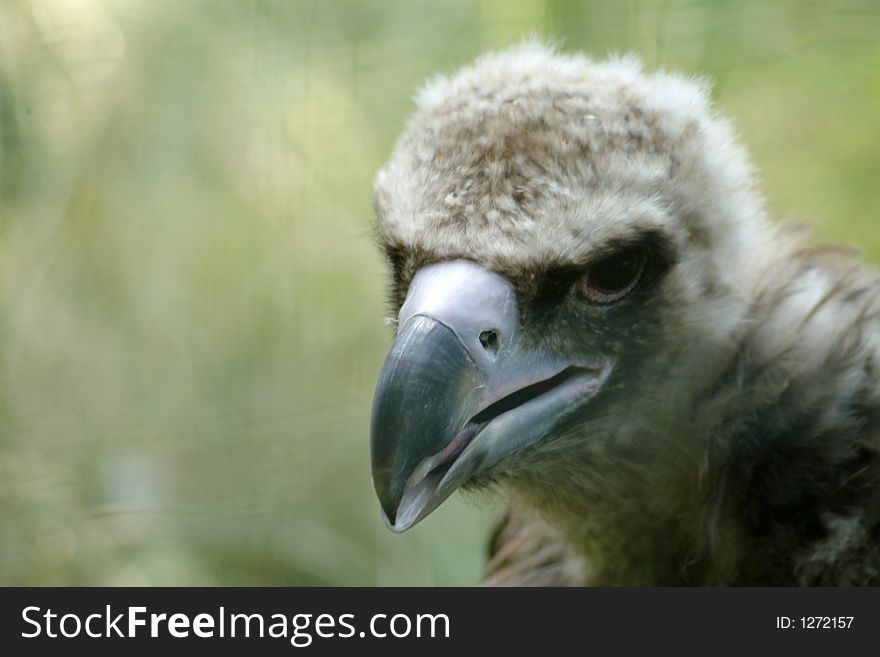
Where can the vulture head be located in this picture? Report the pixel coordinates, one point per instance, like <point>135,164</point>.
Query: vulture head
<point>594,313</point>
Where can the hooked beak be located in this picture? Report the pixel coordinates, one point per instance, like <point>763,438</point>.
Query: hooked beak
<point>459,390</point>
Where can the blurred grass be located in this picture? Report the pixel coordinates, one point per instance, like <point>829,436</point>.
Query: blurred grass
<point>191,305</point>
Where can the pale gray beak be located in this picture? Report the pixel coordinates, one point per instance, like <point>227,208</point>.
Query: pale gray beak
<point>459,390</point>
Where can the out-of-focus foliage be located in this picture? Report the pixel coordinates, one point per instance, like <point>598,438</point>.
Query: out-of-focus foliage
<point>191,303</point>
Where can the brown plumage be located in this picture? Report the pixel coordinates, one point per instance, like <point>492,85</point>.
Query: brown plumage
<point>713,417</point>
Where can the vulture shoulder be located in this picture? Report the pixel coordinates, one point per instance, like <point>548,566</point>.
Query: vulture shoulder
<point>526,551</point>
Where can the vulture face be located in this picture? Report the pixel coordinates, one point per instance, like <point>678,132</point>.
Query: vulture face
<point>570,246</point>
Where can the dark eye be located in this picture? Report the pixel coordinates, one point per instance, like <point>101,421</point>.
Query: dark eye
<point>614,276</point>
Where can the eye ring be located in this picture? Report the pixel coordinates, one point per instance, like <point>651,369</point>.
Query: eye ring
<point>614,276</point>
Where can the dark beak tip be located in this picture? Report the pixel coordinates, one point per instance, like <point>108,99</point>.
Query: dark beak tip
<point>391,525</point>
<point>399,524</point>
<point>389,513</point>
<point>387,504</point>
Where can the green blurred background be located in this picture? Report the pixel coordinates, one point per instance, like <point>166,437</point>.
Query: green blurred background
<point>191,304</point>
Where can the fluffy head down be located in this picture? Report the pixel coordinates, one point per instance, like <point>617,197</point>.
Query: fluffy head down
<point>528,157</point>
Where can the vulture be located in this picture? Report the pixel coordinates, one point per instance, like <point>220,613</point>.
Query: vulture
<point>596,318</point>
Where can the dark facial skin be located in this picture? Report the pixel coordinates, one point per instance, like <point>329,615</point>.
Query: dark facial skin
<point>559,315</point>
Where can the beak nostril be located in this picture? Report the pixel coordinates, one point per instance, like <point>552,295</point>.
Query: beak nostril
<point>491,342</point>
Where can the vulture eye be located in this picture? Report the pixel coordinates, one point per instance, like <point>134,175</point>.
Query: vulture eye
<point>614,276</point>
